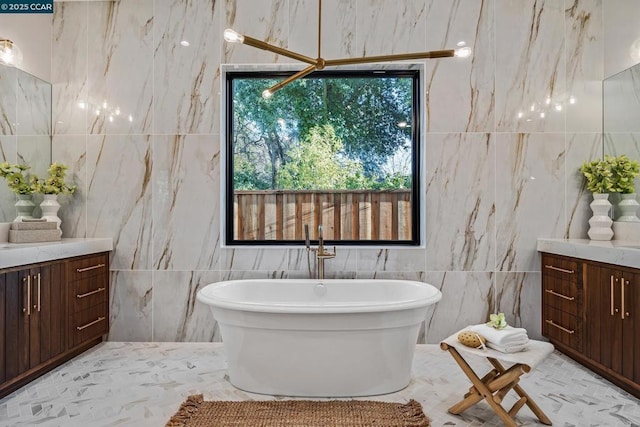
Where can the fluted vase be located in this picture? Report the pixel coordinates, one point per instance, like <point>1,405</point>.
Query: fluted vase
<point>50,207</point>
<point>628,207</point>
<point>24,207</point>
<point>600,222</point>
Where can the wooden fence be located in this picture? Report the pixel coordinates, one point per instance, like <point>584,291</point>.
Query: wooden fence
<point>344,214</point>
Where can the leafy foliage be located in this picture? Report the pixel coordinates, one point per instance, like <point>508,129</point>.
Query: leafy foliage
<point>54,183</point>
<point>611,175</point>
<point>16,179</point>
<point>320,133</point>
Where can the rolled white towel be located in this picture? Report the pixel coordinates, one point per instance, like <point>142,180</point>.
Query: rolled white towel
<point>508,348</point>
<point>502,337</point>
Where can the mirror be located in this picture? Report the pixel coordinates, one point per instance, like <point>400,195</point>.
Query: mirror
<point>25,128</point>
<point>621,99</point>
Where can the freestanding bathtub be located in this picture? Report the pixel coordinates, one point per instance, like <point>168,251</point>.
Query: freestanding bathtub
<point>330,338</point>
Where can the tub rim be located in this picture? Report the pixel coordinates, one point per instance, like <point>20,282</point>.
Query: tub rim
<point>332,308</point>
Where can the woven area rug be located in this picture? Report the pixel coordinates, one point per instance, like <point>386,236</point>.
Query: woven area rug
<point>195,412</point>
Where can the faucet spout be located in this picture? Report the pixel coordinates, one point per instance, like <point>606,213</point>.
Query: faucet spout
<point>321,252</point>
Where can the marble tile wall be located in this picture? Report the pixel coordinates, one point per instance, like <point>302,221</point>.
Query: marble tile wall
<point>137,118</point>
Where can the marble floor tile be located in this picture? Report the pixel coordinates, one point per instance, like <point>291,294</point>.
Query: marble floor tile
<point>142,384</point>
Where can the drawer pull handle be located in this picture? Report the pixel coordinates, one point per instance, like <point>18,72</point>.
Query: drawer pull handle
<point>80,296</point>
<point>93,267</point>
<point>98,320</point>
<point>549,291</point>
<point>562,270</point>
<point>569,331</point>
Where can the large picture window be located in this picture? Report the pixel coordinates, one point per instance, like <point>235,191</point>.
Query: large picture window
<point>337,149</point>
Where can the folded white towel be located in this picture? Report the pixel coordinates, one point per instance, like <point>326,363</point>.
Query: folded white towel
<point>508,348</point>
<point>502,337</point>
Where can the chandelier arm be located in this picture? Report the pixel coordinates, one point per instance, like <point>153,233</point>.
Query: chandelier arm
<point>310,69</point>
<point>387,58</point>
<point>319,27</point>
<point>278,50</point>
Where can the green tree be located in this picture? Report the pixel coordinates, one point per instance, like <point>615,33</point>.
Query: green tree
<point>364,113</point>
<point>318,163</point>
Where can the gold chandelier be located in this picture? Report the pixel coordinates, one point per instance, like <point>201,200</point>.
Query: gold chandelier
<point>319,63</point>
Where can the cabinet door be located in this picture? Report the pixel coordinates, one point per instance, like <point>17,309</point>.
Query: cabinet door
<point>17,292</point>
<point>48,312</point>
<point>630,309</point>
<point>603,310</point>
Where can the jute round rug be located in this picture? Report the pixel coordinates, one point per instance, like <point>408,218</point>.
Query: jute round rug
<point>195,412</point>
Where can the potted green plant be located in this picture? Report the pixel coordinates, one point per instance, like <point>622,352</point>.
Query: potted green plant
<point>23,185</point>
<point>600,182</point>
<point>50,187</point>
<point>624,172</point>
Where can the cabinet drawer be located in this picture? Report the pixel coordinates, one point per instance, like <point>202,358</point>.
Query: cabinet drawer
<point>91,266</point>
<point>88,324</point>
<point>560,268</point>
<point>561,294</point>
<point>88,293</point>
<point>561,327</point>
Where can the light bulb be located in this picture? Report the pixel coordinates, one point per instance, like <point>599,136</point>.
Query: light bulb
<point>233,36</point>
<point>10,54</point>
<point>463,52</point>
<point>267,94</point>
<point>185,43</point>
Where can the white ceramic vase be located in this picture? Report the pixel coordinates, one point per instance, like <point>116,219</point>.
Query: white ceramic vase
<point>600,223</point>
<point>628,207</point>
<point>49,207</point>
<point>24,207</point>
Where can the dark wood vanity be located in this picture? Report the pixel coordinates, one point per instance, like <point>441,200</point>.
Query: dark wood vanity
<point>591,312</point>
<point>50,312</point>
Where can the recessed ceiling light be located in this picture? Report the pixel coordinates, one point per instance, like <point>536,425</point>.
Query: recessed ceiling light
<point>184,43</point>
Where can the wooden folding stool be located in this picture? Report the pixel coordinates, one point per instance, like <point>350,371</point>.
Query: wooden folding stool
<point>499,381</point>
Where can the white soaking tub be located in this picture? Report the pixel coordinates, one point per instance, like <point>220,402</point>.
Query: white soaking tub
<point>329,338</point>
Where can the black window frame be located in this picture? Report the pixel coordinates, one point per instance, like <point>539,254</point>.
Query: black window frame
<point>416,157</point>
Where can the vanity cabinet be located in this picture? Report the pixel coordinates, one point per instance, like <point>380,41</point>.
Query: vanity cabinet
<point>591,312</point>
<point>613,306</point>
<point>38,317</point>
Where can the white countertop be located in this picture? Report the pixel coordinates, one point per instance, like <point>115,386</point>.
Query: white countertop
<point>16,254</point>
<point>618,252</point>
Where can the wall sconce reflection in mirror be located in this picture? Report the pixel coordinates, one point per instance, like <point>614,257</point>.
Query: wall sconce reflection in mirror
<point>10,53</point>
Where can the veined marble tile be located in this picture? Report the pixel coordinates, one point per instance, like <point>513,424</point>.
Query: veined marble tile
<point>130,308</point>
<point>34,151</point>
<point>467,299</point>
<point>186,202</point>
<point>530,196</point>
<point>119,197</point>
<point>460,202</point>
<point>519,297</point>
<point>581,147</point>
<point>247,259</point>
<point>338,28</point>
<point>120,74</point>
<point>253,274</point>
<point>385,27</point>
<point>391,259</point>
<point>418,276</point>
<point>265,20</point>
<point>622,48</point>
<point>177,315</point>
<point>187,78</point>
<point>585,65</point>
<point>33,104</point>
<point>71,150</point>
<point>7,198</point>
<point>8,100</point>
<point>69,68</point>
<point>530,68</point>
<point>460,92</point>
